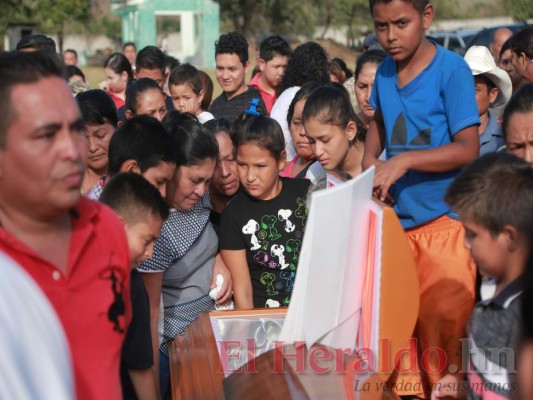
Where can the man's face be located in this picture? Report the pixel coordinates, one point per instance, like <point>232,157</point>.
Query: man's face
<point>231,73</point>
<point>43,160</point>
<point>154,74</point>
<point>69,58</point>
<point>274,69</point>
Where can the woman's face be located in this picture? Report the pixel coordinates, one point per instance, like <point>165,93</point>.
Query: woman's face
<point>152,103</point>
<point>519,135</point>
<point>299,140</point>
<point>98,137</point>
<point>363,89</point>
<point>116,83</point>
<point>225,179</point>
<point>189,184</point>
<point>330,143</point>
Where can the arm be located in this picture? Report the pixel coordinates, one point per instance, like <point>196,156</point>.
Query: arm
<point>143,381</point>
<point>153,283</point>
<point>242,284</point>
<point>463,149</point>
<point>374,142</point>
<point>220,268</point>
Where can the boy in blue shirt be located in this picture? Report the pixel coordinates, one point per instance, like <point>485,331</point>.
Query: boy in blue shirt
<point>427,121</point>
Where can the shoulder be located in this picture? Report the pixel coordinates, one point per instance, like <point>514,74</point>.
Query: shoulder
<point>297,186</point>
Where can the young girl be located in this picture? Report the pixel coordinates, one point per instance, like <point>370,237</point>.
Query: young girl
<point>186,89</point>
<point>262,227</point>
<point>145,97</point>
<point>304,164</point>
<point>330,126</point>
<point>118,74</point>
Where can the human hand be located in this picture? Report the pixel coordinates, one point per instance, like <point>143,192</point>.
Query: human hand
<point>103,86</point>
<point>186,107</point>
<point>226,292</point>
<point>387,174</point>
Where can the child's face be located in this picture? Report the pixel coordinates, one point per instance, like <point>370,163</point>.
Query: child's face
<point>185,100</point>
<point>274,69</point>
<point>259,171</point>
<point>400,28</point>
<point>230,72</point>
<point>160,175</point>
<point>141,238</point>
<point>490,252</point>
<point>330,143</point>
<point>189,184</point>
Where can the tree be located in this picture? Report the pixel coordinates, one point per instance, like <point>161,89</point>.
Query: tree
<point>59,12</point>
<point>521,10</point>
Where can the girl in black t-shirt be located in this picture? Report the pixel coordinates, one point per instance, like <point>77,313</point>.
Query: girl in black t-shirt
<point>262,228</point>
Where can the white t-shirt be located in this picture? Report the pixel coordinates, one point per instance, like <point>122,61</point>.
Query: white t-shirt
<point>34,354</point>
<point>205,116</point>
<point>279,113</point>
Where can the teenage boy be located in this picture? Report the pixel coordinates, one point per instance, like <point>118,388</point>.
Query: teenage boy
<point>73,248</point>
<point>142,210</point>
<point>493,197</point>
<point>140,145</point>
<point>232,64</point>
<point>426,119</point>
<point>493,89</point>
<point>274,53</point>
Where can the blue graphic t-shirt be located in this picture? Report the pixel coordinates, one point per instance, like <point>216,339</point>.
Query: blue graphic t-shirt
<point>424,114</point>
<point>271,231</point>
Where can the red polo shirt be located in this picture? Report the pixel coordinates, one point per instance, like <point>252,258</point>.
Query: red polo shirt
<point>268,98</point>
<point>92,300</point>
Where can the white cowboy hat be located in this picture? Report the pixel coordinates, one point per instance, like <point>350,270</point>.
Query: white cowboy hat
<point>481,62</point>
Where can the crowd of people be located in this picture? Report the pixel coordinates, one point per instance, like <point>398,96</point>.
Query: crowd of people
<point>123,207</point>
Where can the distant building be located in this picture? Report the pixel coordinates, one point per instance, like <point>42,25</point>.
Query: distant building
<point>186,29</point>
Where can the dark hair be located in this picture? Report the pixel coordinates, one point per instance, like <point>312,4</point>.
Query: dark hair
<point>263,131</point>
<point>193,142</point>
<point>143,139</point>
<point>171,62</point>
<point>150,57</point>
<point>521,102</point>
<point>97,107</point>
<point>309,62</point>
<point>71,51</point>
<point>36,42</point>
<point>336,70</point>
<point>136,89</point>
<point>72,70</point>
<point>347,73</point>
<point>129,44</point>
<point>186,74</point>
<point>217,125</point>
<point>494,190</point>
<point>418,4</point>
<point>330,105</point>
<point>207,86</point>
<point>486,80</point>
<point>302,94</point>
<point>506,46</point>
<point>522,42</point>
<point>374,56</point>
<point>132,197</point>
<point>17,68</point>
<point>230,43</point>
<point>274,46</point>
<point>118,63</point>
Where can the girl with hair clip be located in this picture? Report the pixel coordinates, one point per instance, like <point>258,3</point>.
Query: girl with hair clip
<point>145,97</point>
<point>262,227</point>
<point>330,125</point>
<point>304,164</point>
<point>118,75</point>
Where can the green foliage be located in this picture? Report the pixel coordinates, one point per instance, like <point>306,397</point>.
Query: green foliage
<point>521,10</point>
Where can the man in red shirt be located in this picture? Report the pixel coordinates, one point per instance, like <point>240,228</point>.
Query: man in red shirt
<point>274,53</point>
<point>75,249</point>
